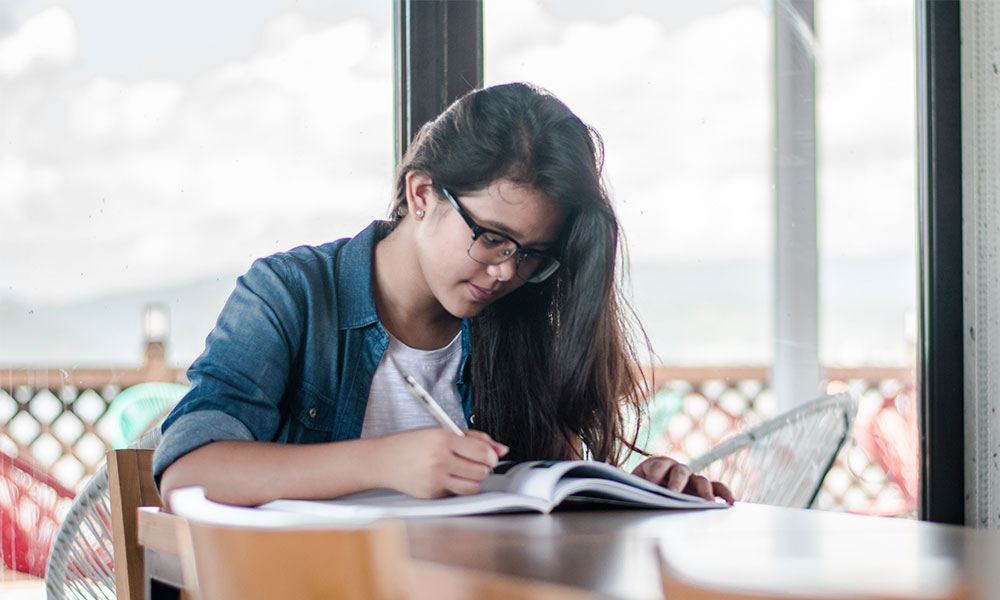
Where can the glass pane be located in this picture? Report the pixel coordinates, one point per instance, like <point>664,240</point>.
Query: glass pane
<point>867,226</point>
<point>682,94</point>
<point>686,126</point>
<point>151,152</point>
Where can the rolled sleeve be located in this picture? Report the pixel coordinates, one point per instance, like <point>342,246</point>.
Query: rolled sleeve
<point>192,431</point>
<point>245,366</point>
<point>273,365</point>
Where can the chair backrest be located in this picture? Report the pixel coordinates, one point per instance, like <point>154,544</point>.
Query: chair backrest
<point>131,485</point>
<point>236,552</point>
<point>372,563</point>
<point>243,563</point>
<point>86,561</point>
<point>783,460</point>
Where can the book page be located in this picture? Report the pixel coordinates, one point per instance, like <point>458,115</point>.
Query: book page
<point>387,503</point>
<point>557,480</point>
<point>525,486</point>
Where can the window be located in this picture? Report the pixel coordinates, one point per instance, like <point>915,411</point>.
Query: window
<point>150,157</point>
<point>682,94</point>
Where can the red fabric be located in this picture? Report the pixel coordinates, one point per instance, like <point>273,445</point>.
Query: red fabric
<point>32,504</point>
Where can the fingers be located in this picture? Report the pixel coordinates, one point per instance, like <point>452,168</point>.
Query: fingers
<point>461,486</point>
<point>664,471</point>
<point>698,485</point>
<point>678,477</point>
<point>474,457</point>
<point>500,449</point>
<point>720,490</point>
<point>465,468</point>
<point>476,449</point>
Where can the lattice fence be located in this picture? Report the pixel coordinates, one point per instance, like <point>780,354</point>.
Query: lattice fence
<point>58,418</point>
<point>63,427</point>
<point>875,472</point>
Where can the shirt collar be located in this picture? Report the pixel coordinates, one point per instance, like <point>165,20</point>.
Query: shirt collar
<point>355,297</point>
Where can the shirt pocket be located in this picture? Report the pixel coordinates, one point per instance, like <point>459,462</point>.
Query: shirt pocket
<point>313,417</point>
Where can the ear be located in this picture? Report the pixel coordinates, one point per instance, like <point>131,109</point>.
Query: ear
<point>420,193</point>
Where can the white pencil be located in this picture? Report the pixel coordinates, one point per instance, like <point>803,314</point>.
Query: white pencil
<point>431,405</point>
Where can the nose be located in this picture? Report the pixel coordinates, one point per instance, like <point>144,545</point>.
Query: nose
<point>503,271</point>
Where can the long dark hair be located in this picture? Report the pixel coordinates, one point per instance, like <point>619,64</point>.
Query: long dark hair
<point>552,363</point>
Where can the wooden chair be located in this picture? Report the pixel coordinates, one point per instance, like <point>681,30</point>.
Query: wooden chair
<point>242,563</point>
<point>131,485</point>
<point>243,554</point>
<point>370,563</point>
<point>90,556</point>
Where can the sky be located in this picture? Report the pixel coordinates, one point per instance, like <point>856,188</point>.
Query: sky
<point>151,144</point>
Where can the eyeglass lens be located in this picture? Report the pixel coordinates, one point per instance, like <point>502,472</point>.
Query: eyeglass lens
<point>492,249</point>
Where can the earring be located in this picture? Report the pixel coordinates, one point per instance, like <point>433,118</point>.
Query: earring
<point>420,214</point>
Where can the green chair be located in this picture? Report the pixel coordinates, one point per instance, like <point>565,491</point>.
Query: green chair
<point>138,407</point>
<point>659,409</point>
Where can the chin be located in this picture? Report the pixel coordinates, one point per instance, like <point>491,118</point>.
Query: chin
<point>466,311</point>
<point>462,308</point>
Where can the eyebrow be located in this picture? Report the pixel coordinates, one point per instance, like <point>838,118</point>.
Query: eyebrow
<point>500,228</point>
<point>507,231</point>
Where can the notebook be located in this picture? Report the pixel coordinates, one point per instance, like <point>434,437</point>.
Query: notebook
<point>531,486</point>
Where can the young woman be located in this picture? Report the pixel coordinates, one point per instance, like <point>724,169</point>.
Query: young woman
<point>493,285</point>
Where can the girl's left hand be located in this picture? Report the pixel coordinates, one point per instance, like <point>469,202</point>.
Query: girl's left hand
<point>678,477</point>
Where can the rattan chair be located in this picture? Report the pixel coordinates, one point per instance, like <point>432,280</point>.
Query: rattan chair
<point>81,563</point>
<point>783,461</point>
<point>31,503</point>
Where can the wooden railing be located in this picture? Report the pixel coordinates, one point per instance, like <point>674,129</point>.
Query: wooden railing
<point>56,417</point>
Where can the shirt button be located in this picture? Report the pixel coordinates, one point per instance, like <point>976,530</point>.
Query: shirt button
<point>312,413</point>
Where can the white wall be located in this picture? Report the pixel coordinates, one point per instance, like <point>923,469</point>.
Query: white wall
<point>980,23</point>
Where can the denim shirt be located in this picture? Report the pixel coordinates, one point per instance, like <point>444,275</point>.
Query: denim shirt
<point>292,356</point>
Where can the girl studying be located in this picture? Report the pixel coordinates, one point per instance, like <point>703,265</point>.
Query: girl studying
<point>492,285</point>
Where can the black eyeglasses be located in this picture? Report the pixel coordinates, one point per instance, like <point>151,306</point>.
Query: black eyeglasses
<point>492,248</point>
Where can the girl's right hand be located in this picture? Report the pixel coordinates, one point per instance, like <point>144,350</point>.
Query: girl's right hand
<point>433,462</point>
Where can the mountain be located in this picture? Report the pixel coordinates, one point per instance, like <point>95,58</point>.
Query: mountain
<point>108,330</point>
<point>695,312</point>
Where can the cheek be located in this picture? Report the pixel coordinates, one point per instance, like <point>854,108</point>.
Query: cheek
<point>444,258</point>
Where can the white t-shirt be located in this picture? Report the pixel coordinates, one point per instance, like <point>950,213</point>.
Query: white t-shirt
<point>391,406</point>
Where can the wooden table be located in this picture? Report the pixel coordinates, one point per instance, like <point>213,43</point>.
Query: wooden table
<point>614,553</point>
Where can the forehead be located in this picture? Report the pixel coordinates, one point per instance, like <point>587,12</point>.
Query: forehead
<point>517,210</point>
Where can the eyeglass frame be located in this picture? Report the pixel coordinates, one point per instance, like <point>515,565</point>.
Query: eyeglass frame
<point>519,255</point>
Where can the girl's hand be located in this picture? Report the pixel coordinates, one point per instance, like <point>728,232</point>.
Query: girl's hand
<point>678,477</point>
<point>433,462</point>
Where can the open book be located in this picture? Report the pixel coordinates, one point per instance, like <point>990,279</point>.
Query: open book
<point>533,486</point>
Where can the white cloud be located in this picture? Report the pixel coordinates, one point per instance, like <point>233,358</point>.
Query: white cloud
<point>292,143</point>
<point>686,116</point>
<point>866,116</point>
<point>115,183</point>
<point>47,38</point>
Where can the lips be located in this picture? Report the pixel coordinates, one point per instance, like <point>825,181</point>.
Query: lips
<point>481,294</point>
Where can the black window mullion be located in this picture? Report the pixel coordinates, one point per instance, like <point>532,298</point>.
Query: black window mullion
<point>940,351</point>
<point>438,57</point>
